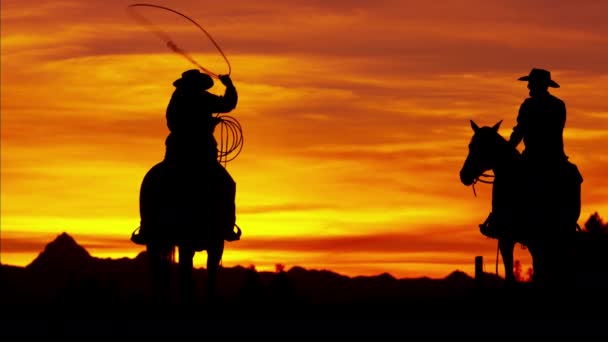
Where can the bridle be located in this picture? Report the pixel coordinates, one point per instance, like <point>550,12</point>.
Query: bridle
<point>481,180</point>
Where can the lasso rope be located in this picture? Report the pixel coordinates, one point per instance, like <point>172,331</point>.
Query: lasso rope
<point>231,133</point>
<point>231,139</point>
<point>169,42</point>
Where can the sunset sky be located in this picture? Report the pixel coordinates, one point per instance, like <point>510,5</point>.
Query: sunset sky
<point>355,118</point>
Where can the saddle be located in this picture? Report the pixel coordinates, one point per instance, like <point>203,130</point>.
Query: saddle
<point>531,206</point>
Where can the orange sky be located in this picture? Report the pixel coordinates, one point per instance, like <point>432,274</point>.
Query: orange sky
<point>355,118</point>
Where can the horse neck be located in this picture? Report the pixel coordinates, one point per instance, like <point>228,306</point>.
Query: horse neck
<point>506,180</point>
<point>505,160</point>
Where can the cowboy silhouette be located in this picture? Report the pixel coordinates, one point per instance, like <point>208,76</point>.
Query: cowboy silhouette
<point>540,121</point>
<point>203,196</point>
<point>191,120</point>
<point>550,182</point>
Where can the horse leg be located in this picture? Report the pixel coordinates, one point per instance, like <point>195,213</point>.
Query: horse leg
<point>541,264</point>
<point>186,274</point>
<point>214,257</point>
<point>506,247</point>
<point>160,260</point>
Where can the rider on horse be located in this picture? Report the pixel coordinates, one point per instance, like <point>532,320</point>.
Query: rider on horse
<point>540,124</point>
<point>188,200</point>
<point>551,184</point>
<point>191,148</point>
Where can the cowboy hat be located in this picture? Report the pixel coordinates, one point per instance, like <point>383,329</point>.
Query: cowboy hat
<point>540,76</point>
<point>193,78</point>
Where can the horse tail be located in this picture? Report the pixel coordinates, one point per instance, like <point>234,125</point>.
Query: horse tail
<point>153,201</point>
<point>574,179</point>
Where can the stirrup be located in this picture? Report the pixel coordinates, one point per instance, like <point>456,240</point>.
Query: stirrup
<point>488,227</point>
<point>138,237</point>
<point>234,236</point>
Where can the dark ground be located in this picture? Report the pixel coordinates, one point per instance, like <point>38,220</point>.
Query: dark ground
<point>491,314</point>
<point>65,292</point>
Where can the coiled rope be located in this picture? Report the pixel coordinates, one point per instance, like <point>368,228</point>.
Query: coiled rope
<point>231,139</point>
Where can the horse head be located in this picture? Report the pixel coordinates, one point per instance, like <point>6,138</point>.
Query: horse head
<point>482,152</point>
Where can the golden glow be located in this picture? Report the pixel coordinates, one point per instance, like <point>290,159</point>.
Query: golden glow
<point>353,133</point>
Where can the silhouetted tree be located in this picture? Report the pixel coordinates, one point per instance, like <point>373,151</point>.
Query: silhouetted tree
<point>517,270</point>
<point>530,272</point>
<point>595,225</point>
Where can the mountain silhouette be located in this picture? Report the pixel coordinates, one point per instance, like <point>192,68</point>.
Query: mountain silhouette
<point>63,254</point>
<point>66,272</point>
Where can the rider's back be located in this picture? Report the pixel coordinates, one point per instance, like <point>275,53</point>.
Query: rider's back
<point>541,122</point>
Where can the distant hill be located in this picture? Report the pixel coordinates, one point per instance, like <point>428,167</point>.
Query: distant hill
<point>65,271</point>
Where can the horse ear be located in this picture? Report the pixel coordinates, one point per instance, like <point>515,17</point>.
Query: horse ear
<point>474,126</point>
<point>497,125</point>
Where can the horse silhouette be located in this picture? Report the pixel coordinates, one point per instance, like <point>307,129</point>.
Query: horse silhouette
<point>537,209</point>
<point>191,212</point>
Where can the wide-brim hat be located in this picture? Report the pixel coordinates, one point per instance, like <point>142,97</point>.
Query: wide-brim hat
<point>540,76</point>
<point>194,79</point>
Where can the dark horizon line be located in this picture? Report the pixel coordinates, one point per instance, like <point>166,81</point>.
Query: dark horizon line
<point>202,267</point>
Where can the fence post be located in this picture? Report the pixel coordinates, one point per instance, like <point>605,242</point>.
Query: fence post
<point>479,270</point>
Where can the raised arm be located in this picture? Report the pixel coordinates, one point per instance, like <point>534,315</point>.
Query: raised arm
<point>228,101</point>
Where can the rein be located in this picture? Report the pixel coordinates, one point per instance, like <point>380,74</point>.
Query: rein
<point>479,179</point>
<point>491,181</point>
